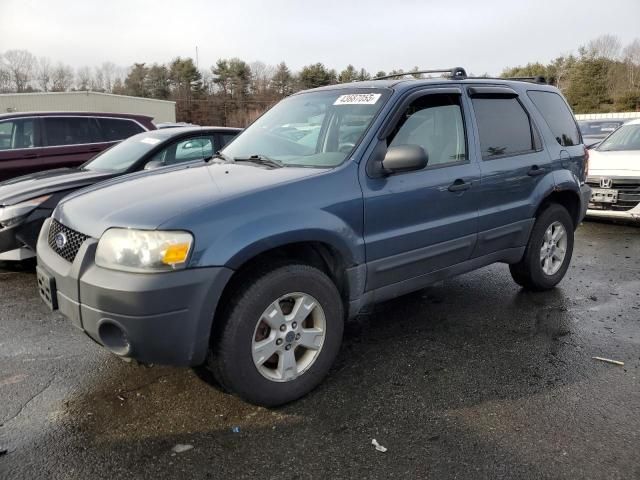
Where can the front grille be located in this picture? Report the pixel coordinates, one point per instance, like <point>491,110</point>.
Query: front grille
<point>74,241</point>
<point>628,194</point>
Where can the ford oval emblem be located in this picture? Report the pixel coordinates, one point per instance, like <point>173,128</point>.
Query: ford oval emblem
<point>61,240</point>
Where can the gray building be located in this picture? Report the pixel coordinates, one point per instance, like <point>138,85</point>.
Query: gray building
<point>160,110</point>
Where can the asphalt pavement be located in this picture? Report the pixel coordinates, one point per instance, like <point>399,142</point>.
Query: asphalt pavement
<point>471,378</point>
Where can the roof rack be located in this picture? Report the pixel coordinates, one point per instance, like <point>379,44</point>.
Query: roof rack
<point>457,73</point>
<point>536,79</point>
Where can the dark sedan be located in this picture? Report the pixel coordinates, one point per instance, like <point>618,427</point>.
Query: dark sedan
<point>25,202</point>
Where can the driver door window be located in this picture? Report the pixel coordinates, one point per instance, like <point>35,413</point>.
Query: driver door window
<point>435,123</point>
<point>186,150</point>
<point>17,134</point>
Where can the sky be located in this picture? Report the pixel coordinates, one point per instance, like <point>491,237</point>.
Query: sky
<point>484,36</point>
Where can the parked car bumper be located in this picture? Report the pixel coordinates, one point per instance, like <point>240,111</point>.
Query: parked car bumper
<point>162,318</point>
<point>22,236</point>
<point>632,215</point>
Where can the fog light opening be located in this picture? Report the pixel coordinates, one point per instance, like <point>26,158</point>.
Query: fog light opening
<point>114,338</point>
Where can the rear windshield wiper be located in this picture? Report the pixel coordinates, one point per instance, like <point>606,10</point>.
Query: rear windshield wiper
<point>261,160</point>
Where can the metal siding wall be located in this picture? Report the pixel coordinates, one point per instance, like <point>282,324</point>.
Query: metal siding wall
<point>160,110</point>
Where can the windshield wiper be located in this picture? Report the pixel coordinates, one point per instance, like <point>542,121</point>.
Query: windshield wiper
<point>261,160</point>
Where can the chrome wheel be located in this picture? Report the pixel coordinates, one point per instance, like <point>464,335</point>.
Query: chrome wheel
<point>554,248</point>
<point>288,337</point>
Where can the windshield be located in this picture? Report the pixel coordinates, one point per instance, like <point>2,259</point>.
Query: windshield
<point>123,155</point>
<point>627,137</point>
<point>316,129</point>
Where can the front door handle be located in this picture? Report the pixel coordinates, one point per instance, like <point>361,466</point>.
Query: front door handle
<point>459,186</point>
<point>536,170</point>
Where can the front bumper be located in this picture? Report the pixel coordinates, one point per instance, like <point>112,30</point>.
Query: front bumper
<point>25,233</point>
<point>633,214</point>
<point>627,207</point>
<point>162,318</point>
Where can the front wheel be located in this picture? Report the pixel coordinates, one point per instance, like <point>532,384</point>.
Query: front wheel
<point>548,253</point>
<point>279,335</point>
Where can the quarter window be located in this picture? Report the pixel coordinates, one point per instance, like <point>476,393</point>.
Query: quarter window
<point>504,127</point>
<point>435,123</point>
<point>558,117</point>
<point>114,129</point>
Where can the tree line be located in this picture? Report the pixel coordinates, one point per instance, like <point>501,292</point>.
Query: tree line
<point>602,76</point>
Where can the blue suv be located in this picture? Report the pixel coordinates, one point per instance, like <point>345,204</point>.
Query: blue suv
<point>336,198</point>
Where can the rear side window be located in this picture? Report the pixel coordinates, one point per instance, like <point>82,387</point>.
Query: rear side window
<point>114,129</point>
<point>67,130</point>
<point>17,133</point>
<point>557,115</point>
<point>504,127</point>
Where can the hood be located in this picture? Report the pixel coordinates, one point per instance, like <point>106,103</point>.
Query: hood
<point>146,200</point>
<point>614,164</point>
<point>38,184</point>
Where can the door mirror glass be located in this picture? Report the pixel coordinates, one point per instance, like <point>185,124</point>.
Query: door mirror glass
<point>404,158</point>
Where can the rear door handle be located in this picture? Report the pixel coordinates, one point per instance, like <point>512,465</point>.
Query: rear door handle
<point>536,170</point>
<point>459,186</point>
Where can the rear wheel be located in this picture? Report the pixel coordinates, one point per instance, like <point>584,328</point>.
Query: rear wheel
<point>548,253</point>
<point>279,335</point>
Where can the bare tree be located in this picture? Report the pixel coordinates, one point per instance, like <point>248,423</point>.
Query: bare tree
<point>97,80</point>
<point>43,74</point>
<point>109,73</point>
<point>631,55</point>
<point>261,75</point>
<point>20,65</point>
<point>5,78</point>
<point>83,78</point>
<point>61,77</point>
<point>605,46</point>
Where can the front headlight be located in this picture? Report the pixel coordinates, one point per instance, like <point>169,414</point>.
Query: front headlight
<point>13,214</point>
<point>143,251</point>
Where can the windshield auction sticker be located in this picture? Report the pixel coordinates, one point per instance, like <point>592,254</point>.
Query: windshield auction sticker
<point>358,99</point>
<point>150,141</point>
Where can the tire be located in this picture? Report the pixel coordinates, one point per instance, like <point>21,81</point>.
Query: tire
<point>233,360</point>
<point>532,272</point>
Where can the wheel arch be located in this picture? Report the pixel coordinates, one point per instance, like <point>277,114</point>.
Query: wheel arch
<point>322,255</point>
<point>569,199</point>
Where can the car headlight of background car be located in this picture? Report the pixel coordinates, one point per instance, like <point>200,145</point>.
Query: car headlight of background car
<point>143,251</point>
<point>13,214</point>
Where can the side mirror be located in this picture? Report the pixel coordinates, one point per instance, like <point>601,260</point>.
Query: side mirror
<point>404,158</point>
<point>153,164</point>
